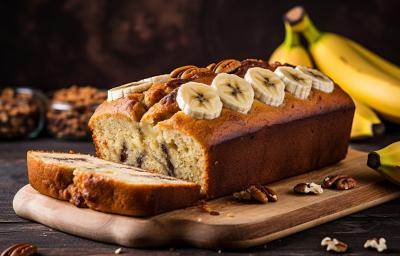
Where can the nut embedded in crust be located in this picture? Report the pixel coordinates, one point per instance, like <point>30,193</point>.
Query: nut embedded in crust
<point>226,66</point>
<point>178,71</point>
<point>211,66</point>
<point>189,73</point>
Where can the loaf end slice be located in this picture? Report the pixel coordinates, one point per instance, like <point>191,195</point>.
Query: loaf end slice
<point>101,185</point>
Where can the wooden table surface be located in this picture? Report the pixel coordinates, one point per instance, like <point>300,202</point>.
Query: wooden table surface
<point>383,220</point>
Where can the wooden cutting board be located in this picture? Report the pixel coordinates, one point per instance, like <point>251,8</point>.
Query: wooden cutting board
<point>238,225</point>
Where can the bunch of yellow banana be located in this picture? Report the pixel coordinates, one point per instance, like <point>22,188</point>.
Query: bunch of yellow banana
<point>363,74</point>
<point>366,123</point>
<point>387,162</point>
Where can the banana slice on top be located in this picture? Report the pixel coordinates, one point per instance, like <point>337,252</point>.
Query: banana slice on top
<point>319,80</point>
<point>138,86</point>
<point>295,81</point>
<point>235,92</point>
<point>268,87</point>
<point>199,100</point>
<point>123,90</point>
<point>157,79</point>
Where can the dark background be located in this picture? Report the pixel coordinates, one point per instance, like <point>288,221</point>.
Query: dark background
<point>51,44</point>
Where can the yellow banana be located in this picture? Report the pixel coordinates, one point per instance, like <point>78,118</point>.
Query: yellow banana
<point>387,162</point>
<point>378,61</point>
<point>291,51</point>
<point>366,123</point>
<point>354,73</point>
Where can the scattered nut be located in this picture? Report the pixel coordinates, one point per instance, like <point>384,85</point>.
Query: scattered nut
<point>308,188</point>
<point>243,195</point>
<point>334,245</point>
<point>226,66</point>
<point>259,193</point>
<point>339,182</point>
<point>206,208</point>
<point>379,245</point>
<point>272,196</point>
<point>21,249</point>
<point>346,183</point>
<point>118,251</point>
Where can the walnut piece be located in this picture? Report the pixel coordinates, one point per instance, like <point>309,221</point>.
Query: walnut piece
<point>308,188</point>
<point>339,182</point>
<point>379,245</point>
<point>334,245</point>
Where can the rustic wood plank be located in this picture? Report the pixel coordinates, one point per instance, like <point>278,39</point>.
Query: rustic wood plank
<point>238,225</point>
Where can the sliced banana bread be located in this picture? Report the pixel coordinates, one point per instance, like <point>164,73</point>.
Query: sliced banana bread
<point>87,181</point>
<point>288,130</point>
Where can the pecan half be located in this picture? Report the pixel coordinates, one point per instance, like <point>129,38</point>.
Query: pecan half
<point>189,73</point>
<point>178,71</point>
<point>211,66</point>
<point>21,249</point>
<point>340,182</point>
<point>258,193</point>
<point>271,195</point>
<point>226,66</point>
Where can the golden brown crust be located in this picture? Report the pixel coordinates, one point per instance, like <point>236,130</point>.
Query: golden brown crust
<point>108,195</point>
<point>131,107</point>
<point>105,194</point>
<point>232,124</point>
<point>162,110</point>
<point>50,180</point>
<point>157,91</point>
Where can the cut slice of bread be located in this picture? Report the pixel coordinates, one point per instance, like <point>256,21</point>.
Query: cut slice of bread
<point>87,181</point>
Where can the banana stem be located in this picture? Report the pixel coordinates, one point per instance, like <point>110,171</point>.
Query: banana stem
<point>374,160</point>
<point>291,38</point>
<point>310,32</point>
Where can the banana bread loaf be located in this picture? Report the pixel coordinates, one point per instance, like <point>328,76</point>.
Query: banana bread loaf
<point>303,128</point>
<point>88,181</point>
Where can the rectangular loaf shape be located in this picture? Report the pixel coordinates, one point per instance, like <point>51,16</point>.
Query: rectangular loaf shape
<point>234,150</point>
